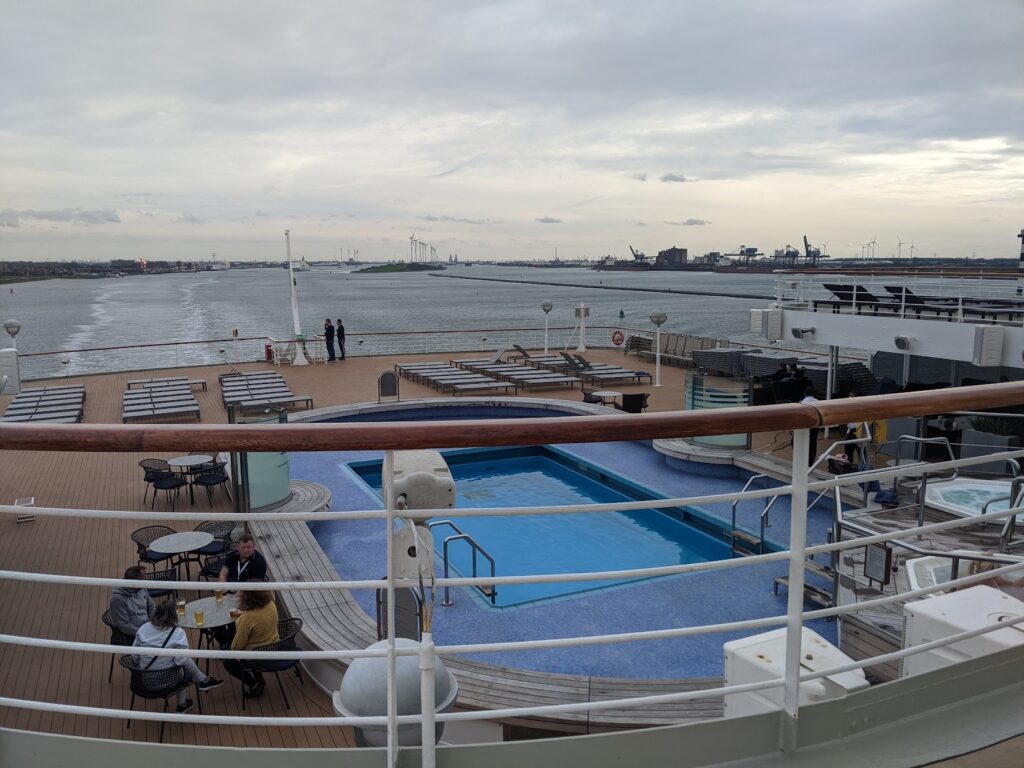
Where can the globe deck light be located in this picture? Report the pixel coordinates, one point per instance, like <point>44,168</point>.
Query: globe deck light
<point>658,318</point>
<point>12,327</point>
<point>547,306</point>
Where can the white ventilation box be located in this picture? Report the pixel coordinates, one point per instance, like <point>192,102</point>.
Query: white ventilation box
<point>988,345</point>
<point>424,479</point>
<point>766,323</point>
<point>763,657</point>
<point>956,612</point>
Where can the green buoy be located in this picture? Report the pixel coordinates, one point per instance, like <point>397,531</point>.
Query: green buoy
<point>621,314</point>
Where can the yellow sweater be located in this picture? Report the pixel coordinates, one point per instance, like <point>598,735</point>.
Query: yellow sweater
<point>255,628</point>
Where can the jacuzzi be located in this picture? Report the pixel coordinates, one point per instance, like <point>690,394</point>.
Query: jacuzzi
<point>967,497</point>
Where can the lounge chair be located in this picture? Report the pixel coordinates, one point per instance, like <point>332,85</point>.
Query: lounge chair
<point>634,402</point>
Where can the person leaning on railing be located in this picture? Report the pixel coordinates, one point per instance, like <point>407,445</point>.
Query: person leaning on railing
<point>255,627</point>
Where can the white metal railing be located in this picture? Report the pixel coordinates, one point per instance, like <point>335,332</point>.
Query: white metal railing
<point>177,354</point>
<point>957,297</point>
<point>799,490</point>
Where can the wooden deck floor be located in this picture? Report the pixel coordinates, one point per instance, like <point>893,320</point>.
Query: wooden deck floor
<point>94,547</point>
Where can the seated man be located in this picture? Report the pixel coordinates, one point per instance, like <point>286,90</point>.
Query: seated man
<point>131,607</point>
<point>244,564</point>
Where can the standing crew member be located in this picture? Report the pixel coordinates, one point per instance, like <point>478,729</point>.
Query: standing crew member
<point>329,339</point>
<point>341,339</point>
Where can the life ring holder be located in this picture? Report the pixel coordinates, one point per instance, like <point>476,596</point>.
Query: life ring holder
<point>618,338</point>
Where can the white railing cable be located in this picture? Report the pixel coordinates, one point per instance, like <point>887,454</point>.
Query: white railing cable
<point>545,710</point>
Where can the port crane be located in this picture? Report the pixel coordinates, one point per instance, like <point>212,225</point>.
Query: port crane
<point>745,253</point>
<point>812,254</point>
<point>638,256</point>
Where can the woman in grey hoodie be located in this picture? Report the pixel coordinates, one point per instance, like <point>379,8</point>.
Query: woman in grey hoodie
<point>131,608</point>
<point>162,631</point>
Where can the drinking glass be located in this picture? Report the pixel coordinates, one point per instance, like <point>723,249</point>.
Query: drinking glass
<point>218,595</point>
<point>199,617</point>
<point>181,608</point>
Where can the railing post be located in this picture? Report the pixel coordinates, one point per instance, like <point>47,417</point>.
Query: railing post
<point>389,503</point>
<point>795,603</point>
<point>428,753</point>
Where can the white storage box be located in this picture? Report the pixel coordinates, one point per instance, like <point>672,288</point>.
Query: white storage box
<point>763,657</point>
<point>957,612</point>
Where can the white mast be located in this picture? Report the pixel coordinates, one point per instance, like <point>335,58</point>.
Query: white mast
<point>300,355</point>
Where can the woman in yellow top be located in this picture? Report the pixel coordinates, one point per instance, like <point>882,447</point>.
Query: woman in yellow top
<point>255,627</point>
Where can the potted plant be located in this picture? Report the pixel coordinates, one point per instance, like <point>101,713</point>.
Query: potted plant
<point>990,434</point>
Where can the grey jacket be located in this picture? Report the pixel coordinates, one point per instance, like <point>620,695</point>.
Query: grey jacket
<point>130,609</point>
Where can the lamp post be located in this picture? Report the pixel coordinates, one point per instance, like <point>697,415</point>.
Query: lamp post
<point>300,355</point>
<point>657,317</point>
<point>12,327</point>
<point>547,306</point>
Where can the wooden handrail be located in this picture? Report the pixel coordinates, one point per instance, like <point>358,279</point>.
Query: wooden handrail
<point>492,432</point>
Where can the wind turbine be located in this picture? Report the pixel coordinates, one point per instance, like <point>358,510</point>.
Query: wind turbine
<point>912,246</point>
<point>873,244</point>
<point>412,247</point>
<point>899,249</point>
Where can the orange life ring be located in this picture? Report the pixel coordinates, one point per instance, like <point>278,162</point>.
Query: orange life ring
<point>618,338</point>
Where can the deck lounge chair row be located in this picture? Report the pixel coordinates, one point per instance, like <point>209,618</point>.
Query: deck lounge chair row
<point>148,404</point>
<point>259,389</point>
<point>902,301</point>
<point>62,405</point>
<point>678,348</point>
<point>166,381</point>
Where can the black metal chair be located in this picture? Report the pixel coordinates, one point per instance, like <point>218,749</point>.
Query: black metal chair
<point>634,402</point>
<point>172,482</point>
<point>170,574</point>
<point>155,469</point>
<point>221,544</point>
<point>145,536</point>
<point>287,629</point>
<point>117,637</point>
<point>212,476</point>
<point>157,684</point>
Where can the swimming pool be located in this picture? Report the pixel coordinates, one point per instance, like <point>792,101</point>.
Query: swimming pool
<point>546,476</point>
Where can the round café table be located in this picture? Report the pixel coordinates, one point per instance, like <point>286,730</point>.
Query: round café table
<point>186,465</point>
<point>606,396</point>
<point>181,544</point>
<point>214,615</point>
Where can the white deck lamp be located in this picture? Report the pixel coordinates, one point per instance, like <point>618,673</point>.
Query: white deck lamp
<point>300,355</point>
<point>547,306</point>
<point>12,327</point>
<point>658,318</point>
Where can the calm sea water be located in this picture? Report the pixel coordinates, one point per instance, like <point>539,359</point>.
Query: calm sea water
<point>78,314</point>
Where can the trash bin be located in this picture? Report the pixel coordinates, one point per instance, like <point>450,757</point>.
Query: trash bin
<point>268,352</point>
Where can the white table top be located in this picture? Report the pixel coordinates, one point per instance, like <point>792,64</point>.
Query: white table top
<point>176,543</point>
<point>606,394</point>
<point>190,461</point>
<point>214,614</point>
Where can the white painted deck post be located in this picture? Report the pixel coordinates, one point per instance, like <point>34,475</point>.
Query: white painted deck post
<point>428,756</point>
<point>795,603</point>
<point>389,503</point>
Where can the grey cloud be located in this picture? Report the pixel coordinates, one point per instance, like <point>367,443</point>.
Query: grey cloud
<point>190,218</point>
<point>640,176</point>
<point>549,220</point>
<point>688,223</point>
<point>9,218</point>
<point>458,220</point>
<point>260,214</point>
<point>675,177</point>
<point>640,224</point>
<point>69,215</point>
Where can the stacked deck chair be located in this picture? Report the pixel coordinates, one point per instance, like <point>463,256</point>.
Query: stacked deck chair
<point>159,402</point>
<point>529,359</point>
<point>530,377</point>
<point>60,405</point>
<point>251,390</point>
<point>448,378</point>
<point>604,373</point>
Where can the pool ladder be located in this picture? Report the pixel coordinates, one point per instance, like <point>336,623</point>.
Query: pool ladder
<point>487,590</point>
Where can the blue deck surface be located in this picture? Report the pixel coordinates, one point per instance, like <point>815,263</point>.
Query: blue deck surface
<point>357,549</point>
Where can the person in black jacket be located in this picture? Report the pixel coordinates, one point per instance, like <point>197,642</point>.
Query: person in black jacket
<point>341,339</point>
<point>329,339</point>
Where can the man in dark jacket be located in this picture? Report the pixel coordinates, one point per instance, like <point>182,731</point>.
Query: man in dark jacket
<point>329,339</point>
<point>341,339</point>
<point>130,607</point>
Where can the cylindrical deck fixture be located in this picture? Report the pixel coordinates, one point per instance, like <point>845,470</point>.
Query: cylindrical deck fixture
<point>547,306</point>
<point>658,318</point>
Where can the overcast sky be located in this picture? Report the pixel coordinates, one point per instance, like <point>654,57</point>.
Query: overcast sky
<point>507,130</point>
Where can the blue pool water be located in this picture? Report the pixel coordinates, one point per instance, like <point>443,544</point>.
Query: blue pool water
<point>542,476</point>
